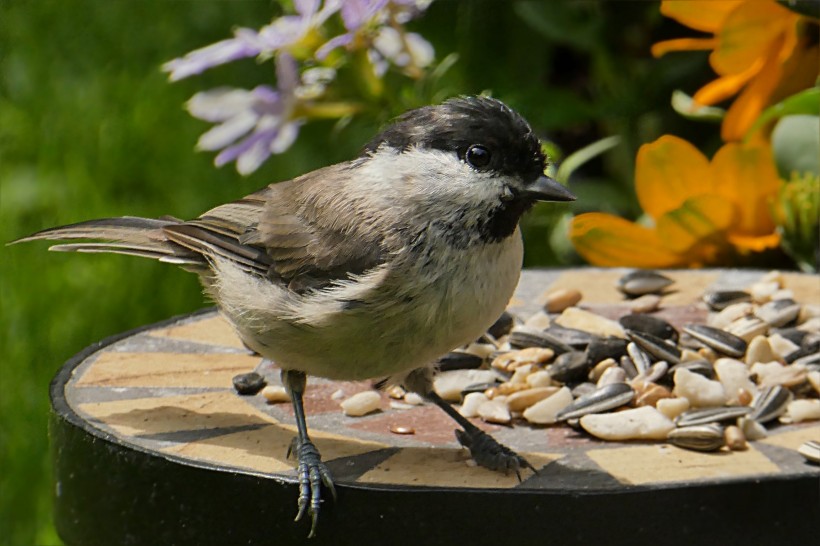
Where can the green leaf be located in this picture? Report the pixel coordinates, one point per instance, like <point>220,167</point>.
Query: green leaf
<point>804,102</point>
<point>579,157</point>
<point>684,105</point>
<point>796,145</point>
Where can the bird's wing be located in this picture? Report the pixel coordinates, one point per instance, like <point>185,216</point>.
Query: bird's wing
<point>289,231</point>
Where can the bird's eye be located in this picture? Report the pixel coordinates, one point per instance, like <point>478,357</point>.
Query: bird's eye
<point>477,156</point>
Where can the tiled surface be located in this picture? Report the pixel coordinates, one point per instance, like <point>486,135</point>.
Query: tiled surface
<point>169,390</point>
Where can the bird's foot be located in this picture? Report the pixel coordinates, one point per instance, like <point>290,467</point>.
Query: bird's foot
<point>487,452</point>
<point>312,474</point>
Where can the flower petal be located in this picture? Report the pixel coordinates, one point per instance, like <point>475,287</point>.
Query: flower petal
<point>355,13</point>
<point>219,104</point>
<point>726,86</point>
<point>420,49</point>
<point>751,102</point>
<point>749,33</point>
<point>333,43</point>
<point>746,244</point>
<point>608,241</point>
<point>746,176</point>
<point>199,60</point>
<point>667,172</point>
<point>698,219</point>
<point>705,15</point>
<point>287,74</point>
<point>682,44</point>
<point>285,137</point>
<point>223,134</point>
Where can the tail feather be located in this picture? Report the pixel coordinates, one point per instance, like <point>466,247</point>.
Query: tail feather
<point>192,245</point>
<point>144,237</point>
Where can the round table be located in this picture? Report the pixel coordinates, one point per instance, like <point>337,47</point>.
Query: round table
<point>152,445</point>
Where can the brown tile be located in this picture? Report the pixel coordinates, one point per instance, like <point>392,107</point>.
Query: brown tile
<point>114,369</point>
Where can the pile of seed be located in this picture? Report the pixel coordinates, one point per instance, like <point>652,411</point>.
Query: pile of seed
<point>755,362</point>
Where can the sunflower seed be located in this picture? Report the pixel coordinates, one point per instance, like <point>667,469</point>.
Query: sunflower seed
<point>606,398</point>
<point>629,367</point>
<point>701,367</point>
<point>459,360</point>
<point>522,337</point>
<point>770,404</point>
<point>748,328</point>
<point>602,348</point>
<point>502,325</point>
<point>640,282</point>
<point>640,359</point>
<point>703,416</point>
<point>778,313</point>
<point>655,346</point>
<point>811,451</point>
<point>569,367</point>
<point>721,299</point>
<point>576,339</point>
<point>698,438</point>
<point>716,339</point>
<point>649,325</point>
<point>248,383</point>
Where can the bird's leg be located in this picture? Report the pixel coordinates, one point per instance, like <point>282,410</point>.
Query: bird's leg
<point>312,471</point>
<point>484,449</point>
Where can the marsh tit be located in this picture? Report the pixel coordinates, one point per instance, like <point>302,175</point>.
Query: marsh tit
<point>371,268</point>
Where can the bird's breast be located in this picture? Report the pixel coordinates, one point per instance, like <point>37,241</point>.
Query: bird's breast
<point>400,316</point>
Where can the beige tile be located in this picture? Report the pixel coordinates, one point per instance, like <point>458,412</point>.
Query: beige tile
<point>806,287</point>
<point>648,464</point>
<point>265,449</point>
<point>795,438</point>
<point>689,286</point>
<point>114,369</point>
<point>213,331</point>
<point>437,467</point>
<point>597,287</point>
<point>142,416</point>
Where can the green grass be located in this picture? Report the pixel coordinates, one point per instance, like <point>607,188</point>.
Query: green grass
<point>89,127</point>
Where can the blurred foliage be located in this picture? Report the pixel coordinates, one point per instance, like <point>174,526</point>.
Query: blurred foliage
<point>89,127</point>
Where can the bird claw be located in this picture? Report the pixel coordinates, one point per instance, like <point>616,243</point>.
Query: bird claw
<point>312,474</point>
<point>487,452</point>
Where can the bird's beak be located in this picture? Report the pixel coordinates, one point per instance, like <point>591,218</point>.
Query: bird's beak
<point>547,189</point>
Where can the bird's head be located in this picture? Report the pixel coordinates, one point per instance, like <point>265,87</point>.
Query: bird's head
<point>472,154</point>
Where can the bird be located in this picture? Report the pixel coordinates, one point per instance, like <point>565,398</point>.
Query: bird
<point>367,269</point>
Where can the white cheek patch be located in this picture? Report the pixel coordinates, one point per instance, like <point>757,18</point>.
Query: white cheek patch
<point>430,178</point>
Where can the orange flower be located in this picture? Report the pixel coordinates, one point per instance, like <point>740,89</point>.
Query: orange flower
<point>703,211</point>
<point>758,49</point>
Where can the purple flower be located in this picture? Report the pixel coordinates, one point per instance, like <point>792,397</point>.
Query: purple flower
<point>391,47</point>
<point>243,44</point>
<point>280,34</point>
<point>357,14</point>
<point>253,124</point>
